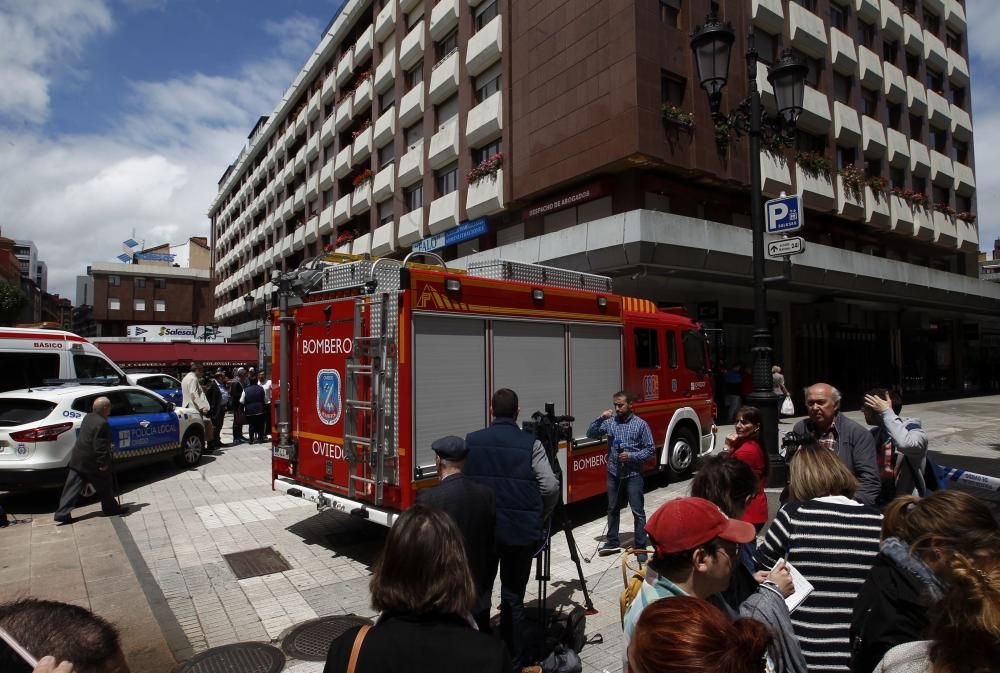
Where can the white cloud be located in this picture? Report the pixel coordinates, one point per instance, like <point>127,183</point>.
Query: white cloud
<point>296,35</point>
<point>35,38</point>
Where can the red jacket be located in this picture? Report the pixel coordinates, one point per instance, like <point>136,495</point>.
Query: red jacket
<point>752,453</point>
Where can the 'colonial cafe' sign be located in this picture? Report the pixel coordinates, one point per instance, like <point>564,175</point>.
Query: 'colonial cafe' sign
<point>567,200</point>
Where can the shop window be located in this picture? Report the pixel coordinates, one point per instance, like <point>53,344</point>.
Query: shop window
<point>647,349</point>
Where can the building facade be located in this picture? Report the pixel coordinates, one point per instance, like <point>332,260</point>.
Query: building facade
<point>581,138</point>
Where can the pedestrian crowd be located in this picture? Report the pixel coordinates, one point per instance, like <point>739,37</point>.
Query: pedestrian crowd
<point>247,395</point>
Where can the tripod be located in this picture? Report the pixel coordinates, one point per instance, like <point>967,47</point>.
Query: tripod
<point>543,564</point>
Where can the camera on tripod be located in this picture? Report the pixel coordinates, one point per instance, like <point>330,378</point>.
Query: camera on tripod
<point>550,429</point>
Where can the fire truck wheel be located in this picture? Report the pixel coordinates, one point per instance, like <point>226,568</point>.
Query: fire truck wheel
<point>191,449</point>
<point>683,449</point>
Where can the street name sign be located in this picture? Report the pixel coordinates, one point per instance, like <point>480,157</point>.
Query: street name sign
<point>784,247</point>
<point>784,214</point>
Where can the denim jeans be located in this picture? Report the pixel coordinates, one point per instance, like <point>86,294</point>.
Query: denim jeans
<point>633,488</point>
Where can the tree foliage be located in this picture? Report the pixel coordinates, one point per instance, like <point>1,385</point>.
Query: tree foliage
<point>12,300</point>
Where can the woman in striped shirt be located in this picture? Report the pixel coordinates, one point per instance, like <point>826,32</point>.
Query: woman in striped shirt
<point>832,540</point>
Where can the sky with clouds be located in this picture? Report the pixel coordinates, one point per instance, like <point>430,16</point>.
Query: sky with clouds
<point>121,115</point>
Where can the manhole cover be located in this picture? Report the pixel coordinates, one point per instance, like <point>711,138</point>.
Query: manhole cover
<point>236,658</point>
<point>311,640</point>
<point>256,562</point>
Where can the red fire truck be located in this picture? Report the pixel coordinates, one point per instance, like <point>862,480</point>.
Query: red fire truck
<point>378,358</point>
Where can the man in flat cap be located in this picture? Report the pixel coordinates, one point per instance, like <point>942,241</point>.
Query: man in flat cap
<point>472,506</point>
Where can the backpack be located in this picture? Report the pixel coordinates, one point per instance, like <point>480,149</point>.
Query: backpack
<point>633,575</point>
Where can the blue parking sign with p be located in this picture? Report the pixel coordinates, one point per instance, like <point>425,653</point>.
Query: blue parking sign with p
<point>783,215</point>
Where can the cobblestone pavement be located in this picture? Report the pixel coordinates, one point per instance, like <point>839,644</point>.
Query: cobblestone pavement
<point>185,521</point>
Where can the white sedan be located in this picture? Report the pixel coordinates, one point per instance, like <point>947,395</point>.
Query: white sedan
<point>38,428</point>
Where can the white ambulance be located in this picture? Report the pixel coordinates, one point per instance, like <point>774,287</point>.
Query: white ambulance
<point>29,357</point>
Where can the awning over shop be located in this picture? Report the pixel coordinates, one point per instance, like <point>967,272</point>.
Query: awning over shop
<point>179,354</point>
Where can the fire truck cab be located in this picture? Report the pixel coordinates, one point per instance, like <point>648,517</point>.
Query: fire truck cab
<point>382,357</point>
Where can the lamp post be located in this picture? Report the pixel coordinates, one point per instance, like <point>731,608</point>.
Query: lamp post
<point>712,44</point>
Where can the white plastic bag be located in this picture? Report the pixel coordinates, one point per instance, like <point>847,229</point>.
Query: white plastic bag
<point>787,408</point>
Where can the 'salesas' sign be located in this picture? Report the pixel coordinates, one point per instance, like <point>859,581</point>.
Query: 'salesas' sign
<point>207,333</point>
<point>588,193</point>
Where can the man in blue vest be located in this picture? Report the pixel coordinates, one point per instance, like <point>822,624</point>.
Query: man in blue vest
<point>513,464</point>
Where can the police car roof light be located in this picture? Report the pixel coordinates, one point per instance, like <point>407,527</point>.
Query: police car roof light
<point>94,381</point>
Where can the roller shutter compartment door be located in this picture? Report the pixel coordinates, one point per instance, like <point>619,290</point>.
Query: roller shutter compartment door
<point>596,361</point>
<point>530,359</point>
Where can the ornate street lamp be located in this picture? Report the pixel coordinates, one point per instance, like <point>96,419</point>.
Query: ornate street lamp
<point>712,44</point>
<point>248,304</point>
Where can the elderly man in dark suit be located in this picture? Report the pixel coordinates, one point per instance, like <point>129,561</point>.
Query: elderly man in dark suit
<point>473,507</point>
<point>90,462</point>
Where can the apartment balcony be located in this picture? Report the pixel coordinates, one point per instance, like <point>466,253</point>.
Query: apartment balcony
<point>843,55</point>
<point>891,21</point>
<point>362,245</point>
<point>849,205</point>
<point>342,165</point>
<point>326,176</point>
<point>961,124</point>
<point>485,47</point>
<point>269,222</point>
<point>345,68</point>
<point>485,196</point>
<point>300,123</point>
<point>867,10</point>
<point>384,239</point>
<point>342,210</point>
<point>363,95</point>
<point>913,35</point>
<point>312,147</point>
<point>895,83</point>
<point>288,138</point>
<point>923,223</point>
<point>898,147</point>
<point>385,22</point>
<point>916,97</point>
<point>807,31</point>
<point>361,199</point>
<point>485,121</point>
<point>869,69</point>
<point>444,212</point>
<point>776,177</point>
<point>945,230</point>
<point>954,16</point>
<point>968,236</point>
<point>411,50</point>
<point>300,160</point>
<point>958,69</point>
<point>767,14</point>
<point>286,245</point>
<point>345,112</point>
<point>816,190</point>
<point>329,87</point>
<point>901,215</point>
<point>936,6</point>
<point>934,52</point>
<point>877,212</point>
<point>815,116</point>
<point>385,128</point>
<point>406,5</point>
<point>412,228</point>
<point>300,197</point>
<point>965,181</point>
<point>299,239</point>
<point>942,173</point>
<point>269,159</point>
<point>326,220</point>
<point>326,131</point>
<point>938,110</point>
<point>364,46</point>
<point>385,71</point>
<point>443,147</point>
<point>444,79</point>
<point>312,187</point>
<point>384,185</point>
<point>846,128</point>
<point>362,146</point>
<point>920,159</point>
<point>314,108</point>
<point>411,165</point>
<point>312,229</point>
<point>872,137</point>
<point>444,17</point>
<point>288,209</point>
<point>411,106</point>
<point>277,254</point>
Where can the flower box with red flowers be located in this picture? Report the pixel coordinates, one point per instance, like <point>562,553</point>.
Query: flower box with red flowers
<point>362,178</point>
<point>361,129</point>
<point>487,167</point>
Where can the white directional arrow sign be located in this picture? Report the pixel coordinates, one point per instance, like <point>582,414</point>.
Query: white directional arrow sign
<point>784,247</point>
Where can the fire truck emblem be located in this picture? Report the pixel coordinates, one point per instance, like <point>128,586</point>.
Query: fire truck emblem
<point>650,387</point>
<point>328,401</point>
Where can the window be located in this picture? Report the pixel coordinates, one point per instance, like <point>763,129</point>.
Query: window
<point>815,65</point>
<point>672,88</point>
<point>958,96</point>
<point>869,103</point>
<point>385,212</point>
<point>917,127</point>
<point>953,40</point>
<point>140,304</point>
<point>141,403</point>
<point>160,283</point>
<point>485,152</point>
<point>446,179</point>
<point>768,46</point>
<point>935,80</point>
<point>387,100</point>
<point>415,75</point>
<point>920,184</point>
<point>932,22</point>
<point>670,13</point>
<point>808,4</point>
<point>114,281</point>
<point>647,349</point>
<point>873,167</point>
<point>941,195</point>
<point>488,83</point>
<point>446,111</point>
<point>413,197</point>
<point>938,139</point>
<point>446,45</point>
<point>912,65</point>
<point>413,17</point>
<point>866,33</point>
<point>486,12</point>
<point>960,151</point>
<point>671,348</point>
<point>842,85</point>
<point>695,352</point>
<point>386,154</point>
<point>159,305</point>
<point>894,114</point>
<point>890,52</point>
<point>93,367</point>
<point>963,203</point>
<point>807,142</point>
<point>413,134</point>
<point>114,304</point>
<point>139,282</point>
<point>897,176</point>
<point>838,17</point>
<point>846,156</point>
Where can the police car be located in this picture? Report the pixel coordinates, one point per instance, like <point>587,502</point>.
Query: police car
<point>38,427</point>
<point>163,385</point>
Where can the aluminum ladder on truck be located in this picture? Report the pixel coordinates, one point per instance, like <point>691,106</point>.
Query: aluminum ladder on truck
<point>369,385</point>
